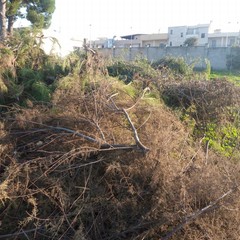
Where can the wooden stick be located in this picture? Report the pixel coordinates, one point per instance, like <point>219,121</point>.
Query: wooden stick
<point>137,140</point>
<point>7,236</point>
<point>195,215</point>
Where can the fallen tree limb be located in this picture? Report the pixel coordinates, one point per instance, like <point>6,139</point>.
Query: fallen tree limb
<point>90,139</point>
<point>138,146</point>
<point>138,143</point>
<point>11,235</point>
<point>197,214</point>
<point>145,226</point>
<point>124,111</point>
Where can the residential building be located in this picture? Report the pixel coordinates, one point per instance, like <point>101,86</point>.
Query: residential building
<point>135,40</point>
<point>223,39</point>
<point>177,35</point>
<point>101,43</point>
<point>154,40</point>
<point>143,40</point>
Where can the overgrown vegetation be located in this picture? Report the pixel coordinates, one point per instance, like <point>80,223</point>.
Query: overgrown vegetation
<point>178,65</point>
<point>128,71</point>
<point>38,13</point>
<point>148,152</point>
<point>27,72</point>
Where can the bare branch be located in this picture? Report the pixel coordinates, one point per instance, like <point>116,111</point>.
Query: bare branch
<point>124,111</point>
<point>7,236</point>
<point>197,214</point>
<point>139,144</point>
<point>102,145</point>
<point>90,139</point>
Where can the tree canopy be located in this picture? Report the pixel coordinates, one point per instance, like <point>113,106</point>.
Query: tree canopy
<point>37,12</point>
<point>192,41</point>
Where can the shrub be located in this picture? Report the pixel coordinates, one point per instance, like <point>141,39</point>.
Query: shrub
<point>178,65</point>
<point>190,42</point>
<point>127,71</point>
<point>210,109</point>
<point>27,71</point>
<point>210,98</point>
<point>222,138</point>
<point>40,92</point>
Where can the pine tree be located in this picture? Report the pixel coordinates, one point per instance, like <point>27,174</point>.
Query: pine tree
<point>38,12</point>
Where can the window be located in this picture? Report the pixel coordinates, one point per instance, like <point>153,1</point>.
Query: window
<point>202,35</point>
<point>214,43</point>
<point>232,41</point>
<point>171,31</point>
<point>170,44</point>
<point>181,34</point>
<point>192,31</point>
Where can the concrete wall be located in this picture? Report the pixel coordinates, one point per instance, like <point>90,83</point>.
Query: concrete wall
<point>216,56</point>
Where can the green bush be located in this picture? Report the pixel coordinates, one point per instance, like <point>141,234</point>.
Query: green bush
<point>40,92</point>
<point>126,71</point>
<point>224,139</point>
<point>190,42</point>
<point>177,64</point>
<point>34,86</point>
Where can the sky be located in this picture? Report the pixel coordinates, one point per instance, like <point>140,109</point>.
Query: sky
<point>91,19</point>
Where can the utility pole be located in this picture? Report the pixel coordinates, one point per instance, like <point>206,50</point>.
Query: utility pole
<point>90,35</point>
<point>131,37</point>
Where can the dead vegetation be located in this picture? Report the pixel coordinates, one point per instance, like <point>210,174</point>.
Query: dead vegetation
<point>210,98</point>
<point>101,163</point>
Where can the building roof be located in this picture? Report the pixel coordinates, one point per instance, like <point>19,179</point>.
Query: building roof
<point>223,34</point>
<point>193,26</point>
<point>129,37</point>
<point>199,25</point>
<point>155,36</point>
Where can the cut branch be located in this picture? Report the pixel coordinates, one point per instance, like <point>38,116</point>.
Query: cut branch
<point>11,235</point>
<point>137,140</point>
<point>197,214</point>
<point>102,145</point>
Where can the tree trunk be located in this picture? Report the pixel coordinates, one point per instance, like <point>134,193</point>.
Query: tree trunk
<point>3,30</point>
<point>10,25</point>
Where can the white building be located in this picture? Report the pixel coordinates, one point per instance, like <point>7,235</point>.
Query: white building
<point>177,35</point>
<point>154,40</point>
<point>223,39</point>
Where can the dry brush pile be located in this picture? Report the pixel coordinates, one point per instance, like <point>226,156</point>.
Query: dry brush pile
<point>103,163</point>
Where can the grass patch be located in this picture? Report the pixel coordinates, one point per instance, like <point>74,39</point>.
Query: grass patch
<point>231,76</point>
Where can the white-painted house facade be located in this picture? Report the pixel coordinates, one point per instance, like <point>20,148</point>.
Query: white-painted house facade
<point>223,39</point>
<point>177,35</point>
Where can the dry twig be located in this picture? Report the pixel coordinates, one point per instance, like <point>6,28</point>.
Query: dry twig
<point>199,213</point>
